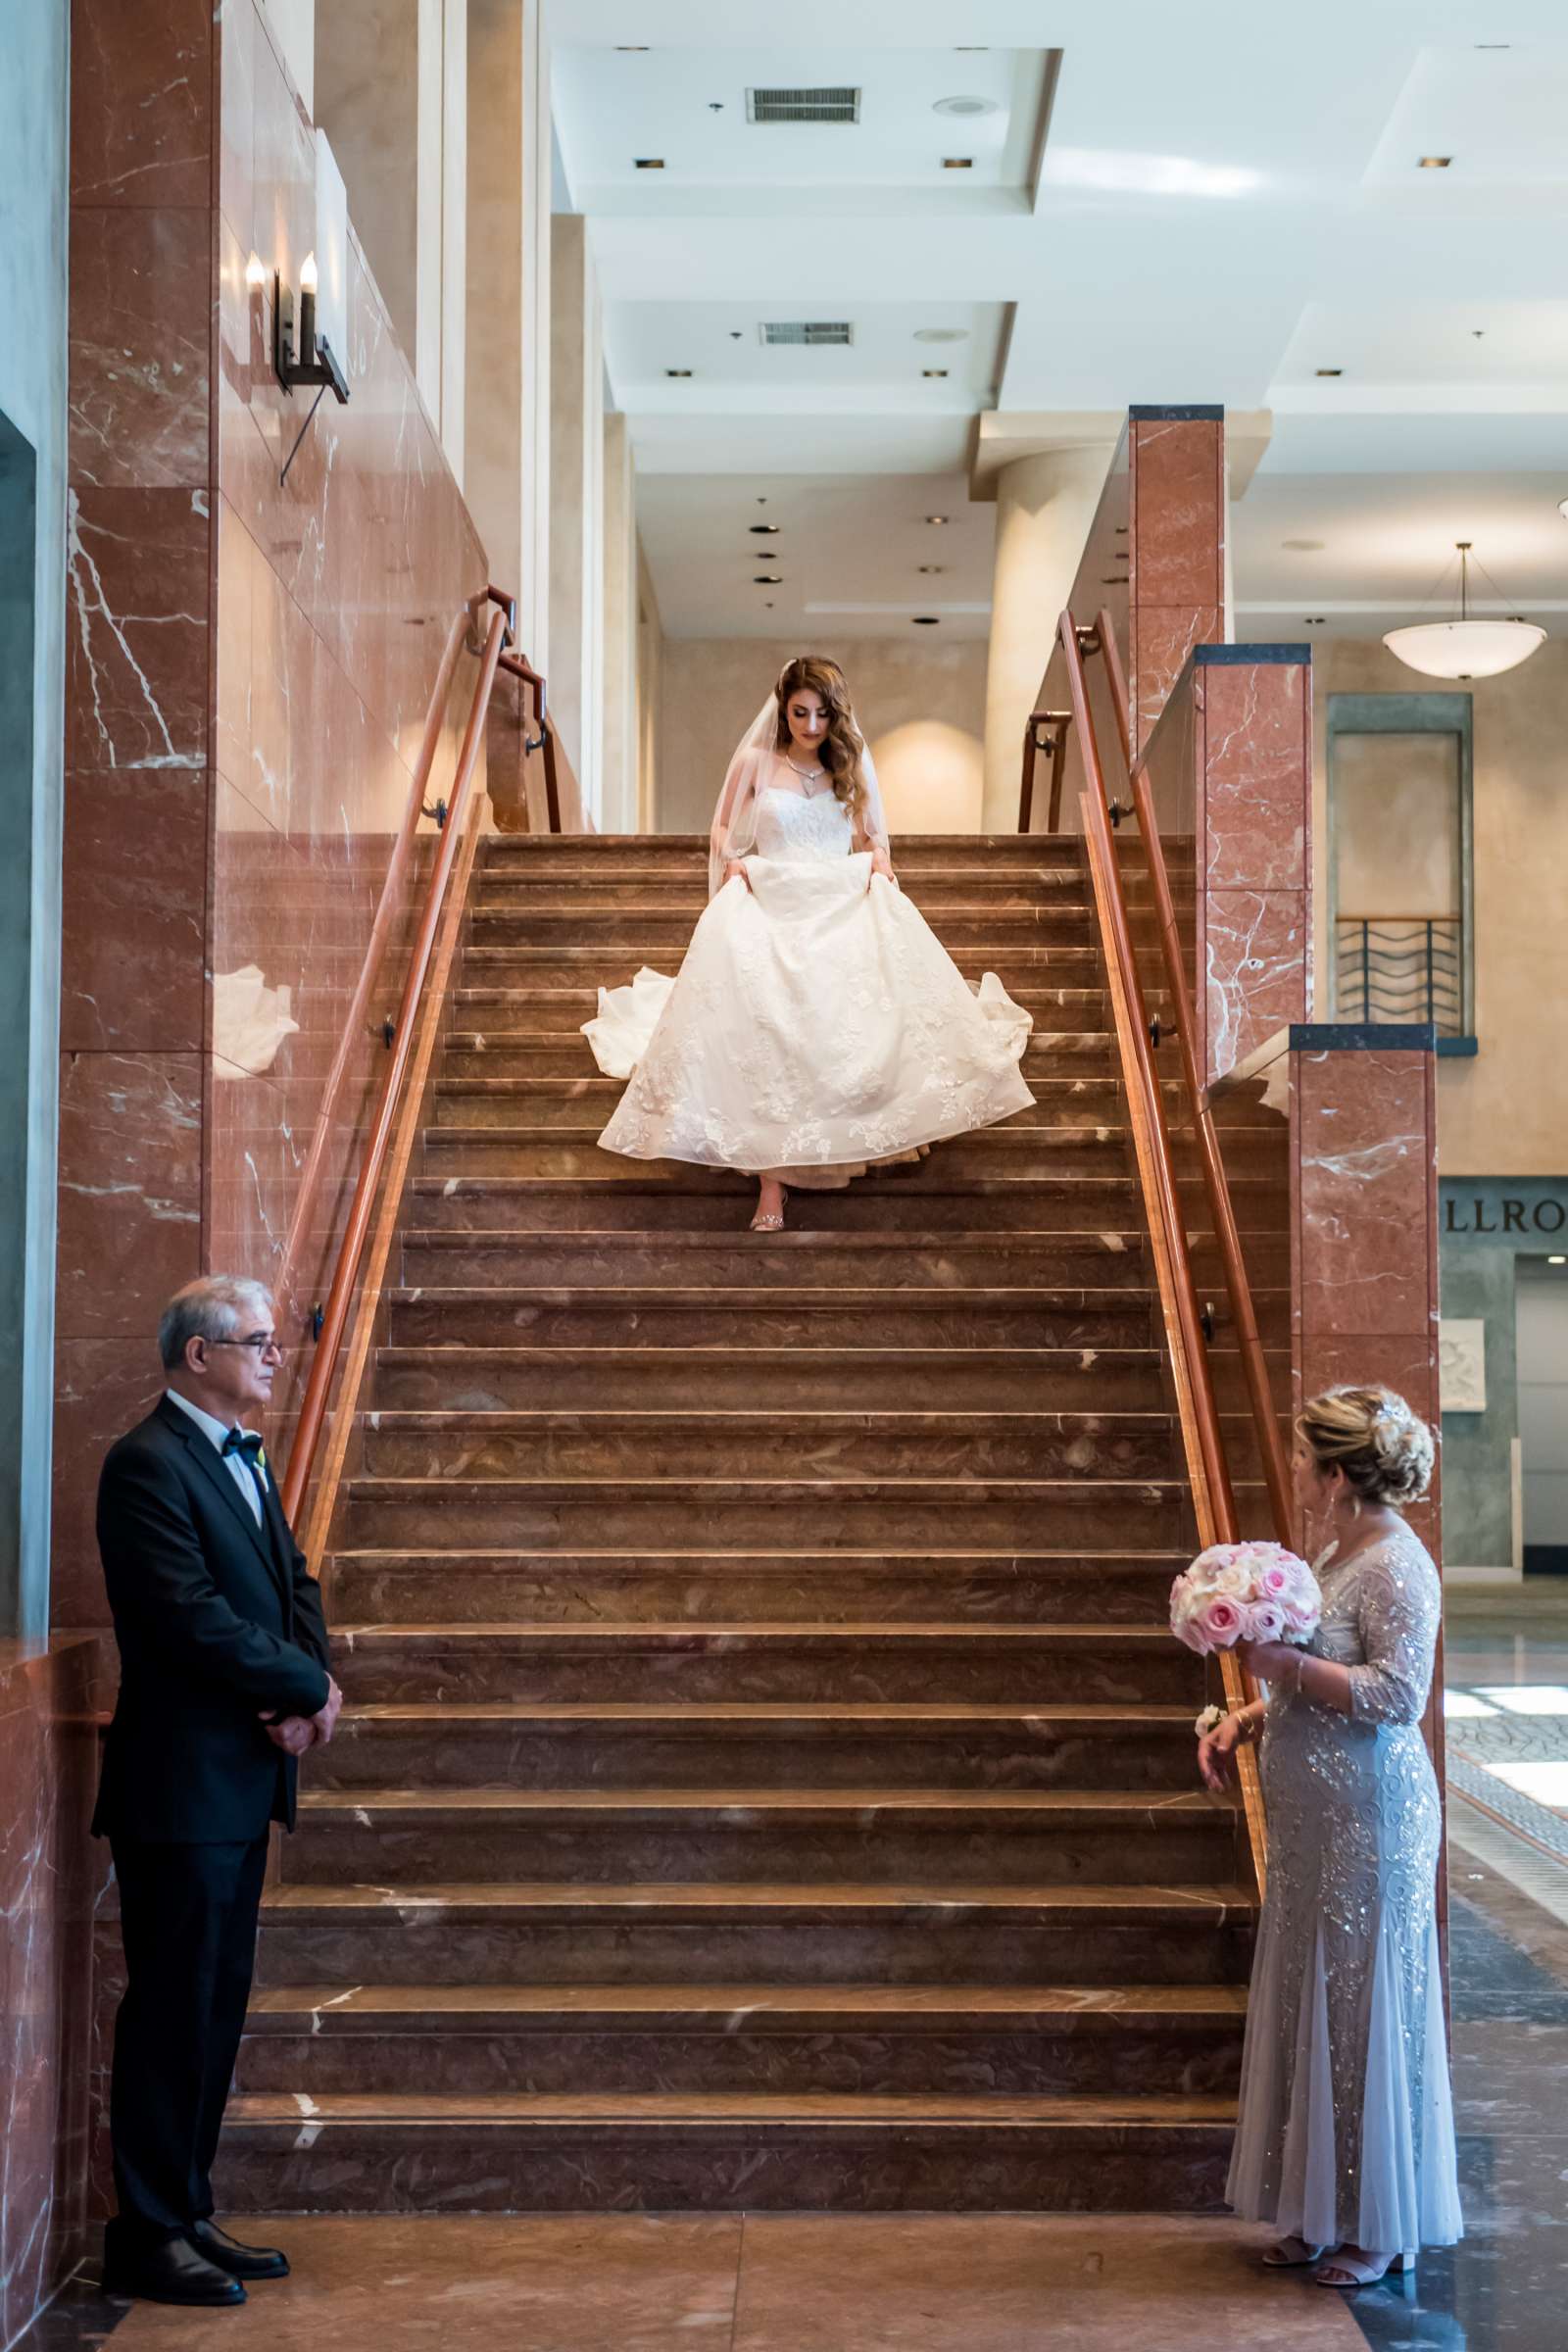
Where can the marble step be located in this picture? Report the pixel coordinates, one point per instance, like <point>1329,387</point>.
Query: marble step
<point>507,853</point>
<point>588,889</point>
<point>464,1745</point>
<point>492,1314</point>
<point>769,1514</point>
<point>740,1662</point>
<point>395,1588</point>
<point>637,1377</point>
<point>552,2041</point>
<point>663,927</point>
<point>517,1148</point>
<point>718,1201</point>
<point>540,1053</point>
<point>826,1443</point>
<point>583,1104</point>
<point>1042,1837</point>
<point>1021,970</point>
<point>661,1263</point>
<point>928,1932</point>
<point>499,1010</point>
<point>758,2152</point>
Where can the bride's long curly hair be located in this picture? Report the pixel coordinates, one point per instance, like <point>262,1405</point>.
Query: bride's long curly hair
<point>842,745</point>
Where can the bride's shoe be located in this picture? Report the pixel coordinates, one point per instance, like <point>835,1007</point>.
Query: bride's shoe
<point>772,1224</point>
<point>1343,2272</point>
<point>1292,2254</point>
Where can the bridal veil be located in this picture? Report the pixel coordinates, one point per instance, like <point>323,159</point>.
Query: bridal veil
<point>733,833</point>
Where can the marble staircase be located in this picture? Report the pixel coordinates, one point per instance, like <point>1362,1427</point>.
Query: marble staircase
<point>769,1779</point>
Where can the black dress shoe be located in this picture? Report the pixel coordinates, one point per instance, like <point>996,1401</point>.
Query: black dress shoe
<point>172,2272</point>
<point>241,2262</point>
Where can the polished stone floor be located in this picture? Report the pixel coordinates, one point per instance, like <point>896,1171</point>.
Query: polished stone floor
<point>983,2283</point>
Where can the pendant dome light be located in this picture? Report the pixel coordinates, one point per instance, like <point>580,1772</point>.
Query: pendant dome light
<point>1465,647</point>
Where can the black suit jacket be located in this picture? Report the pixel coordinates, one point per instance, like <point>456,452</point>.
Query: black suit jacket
<point>216,1619</point>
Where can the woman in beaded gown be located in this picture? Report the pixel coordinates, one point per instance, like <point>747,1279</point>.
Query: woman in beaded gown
<point>1344,2140</point>
<point>817,1026</point>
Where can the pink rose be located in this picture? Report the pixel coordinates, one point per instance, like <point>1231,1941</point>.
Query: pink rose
<point>1264,1621</point>
<point>1276,1582</point>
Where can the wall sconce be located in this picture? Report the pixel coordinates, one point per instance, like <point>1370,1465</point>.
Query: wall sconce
<point>310,333</point>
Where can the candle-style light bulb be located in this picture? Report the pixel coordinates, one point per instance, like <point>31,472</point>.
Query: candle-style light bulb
<point>308,311</point>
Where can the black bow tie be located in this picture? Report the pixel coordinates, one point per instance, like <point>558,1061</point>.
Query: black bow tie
<point>245,1442</point>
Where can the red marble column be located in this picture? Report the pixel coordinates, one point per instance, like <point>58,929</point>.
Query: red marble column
<point>1176,506</point>
<point>1251,716</point>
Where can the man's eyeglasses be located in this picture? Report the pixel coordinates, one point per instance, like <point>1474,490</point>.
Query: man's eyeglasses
<point>265,1344</point>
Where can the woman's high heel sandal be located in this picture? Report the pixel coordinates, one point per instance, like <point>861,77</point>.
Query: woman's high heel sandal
<point>1292,2254</point>
<point>761,1224</point>
<point>1343,2273</point>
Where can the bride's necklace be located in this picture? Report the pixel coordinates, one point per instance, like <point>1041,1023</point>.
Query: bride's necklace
<point>808,775</point>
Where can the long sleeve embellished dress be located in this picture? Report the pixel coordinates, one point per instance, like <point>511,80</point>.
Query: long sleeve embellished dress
<point>1346,2131</point>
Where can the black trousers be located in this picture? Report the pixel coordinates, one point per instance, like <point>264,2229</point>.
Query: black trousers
<point>187,1917</point>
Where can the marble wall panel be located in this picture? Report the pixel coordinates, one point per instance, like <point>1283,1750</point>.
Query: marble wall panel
<point>136,646</point>
<point>1176,547</point>
<point>130,1156</point>
<point>103,1386</point>
<point>1363,1220</point>
<point>141,322</point>
<point>134,891</point>
<point>50,1875</point>
<point>1252,948</point>
<point>141,102</point>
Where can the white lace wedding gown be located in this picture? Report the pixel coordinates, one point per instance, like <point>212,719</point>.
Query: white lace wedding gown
<point>817,1026</point>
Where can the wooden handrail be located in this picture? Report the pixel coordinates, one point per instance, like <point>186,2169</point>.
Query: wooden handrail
<point>312,1411</point>
<point>1053,747</point>
<point>1213,1502</point>
<point>1221,1209</point>
<point>354,1026</point>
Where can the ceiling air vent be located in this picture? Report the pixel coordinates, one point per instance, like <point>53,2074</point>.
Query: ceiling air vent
<point>839,105</point>
<point>815,333</point>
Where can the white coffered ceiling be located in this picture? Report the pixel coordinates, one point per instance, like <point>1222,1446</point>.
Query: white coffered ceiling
<point>1228,201</point>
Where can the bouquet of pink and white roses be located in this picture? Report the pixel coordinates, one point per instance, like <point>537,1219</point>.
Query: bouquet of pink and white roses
<point>1245,1592</point>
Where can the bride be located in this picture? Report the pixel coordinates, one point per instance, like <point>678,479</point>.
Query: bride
<point>817,1025</point>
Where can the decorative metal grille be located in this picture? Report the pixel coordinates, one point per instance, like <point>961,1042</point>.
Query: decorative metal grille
<point>1400,967</point>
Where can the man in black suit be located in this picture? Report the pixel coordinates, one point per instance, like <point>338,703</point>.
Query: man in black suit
<point>223,1685</point>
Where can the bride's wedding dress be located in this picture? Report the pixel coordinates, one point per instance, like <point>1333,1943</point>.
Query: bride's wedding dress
<point>817,1024</point>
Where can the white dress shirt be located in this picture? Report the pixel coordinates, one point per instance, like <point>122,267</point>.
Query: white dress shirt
<point>235,1463</point>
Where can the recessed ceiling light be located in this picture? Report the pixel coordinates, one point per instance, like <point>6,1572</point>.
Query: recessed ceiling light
<point>1557,1261</point>
<point>632,48</point>
<point>931,374</point>
<point>1315,620</point>
<point>1435,163</point>
<point>678,373</point>
<point>648,162</point>
<point>958,163</point>
<point>936,518</point>
<point>1331,371</point>
<point>1562,507</point>
<point>966,106</point>
<point>1112,579</point>
<point>926,620</point>
<point>1305,546</point>
<point>942,334</point>
<point>764,530</point>
<point>767,579</point>
<point>931,567</point>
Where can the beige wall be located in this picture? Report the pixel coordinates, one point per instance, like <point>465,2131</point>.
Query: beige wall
<point>922,707</point>
<point>650,694</point>
<point>1505,1113</point>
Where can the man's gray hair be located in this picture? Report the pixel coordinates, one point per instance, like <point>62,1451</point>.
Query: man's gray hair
<point>210,1308</point>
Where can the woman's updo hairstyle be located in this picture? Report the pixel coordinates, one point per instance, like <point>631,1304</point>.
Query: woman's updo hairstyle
<point>839,754</point>
<point>1384,1448</point>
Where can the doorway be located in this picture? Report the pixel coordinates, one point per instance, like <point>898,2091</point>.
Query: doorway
<point>1541,1294</point>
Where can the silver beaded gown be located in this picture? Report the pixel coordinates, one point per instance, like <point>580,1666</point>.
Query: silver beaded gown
<point>1346,2129</point>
